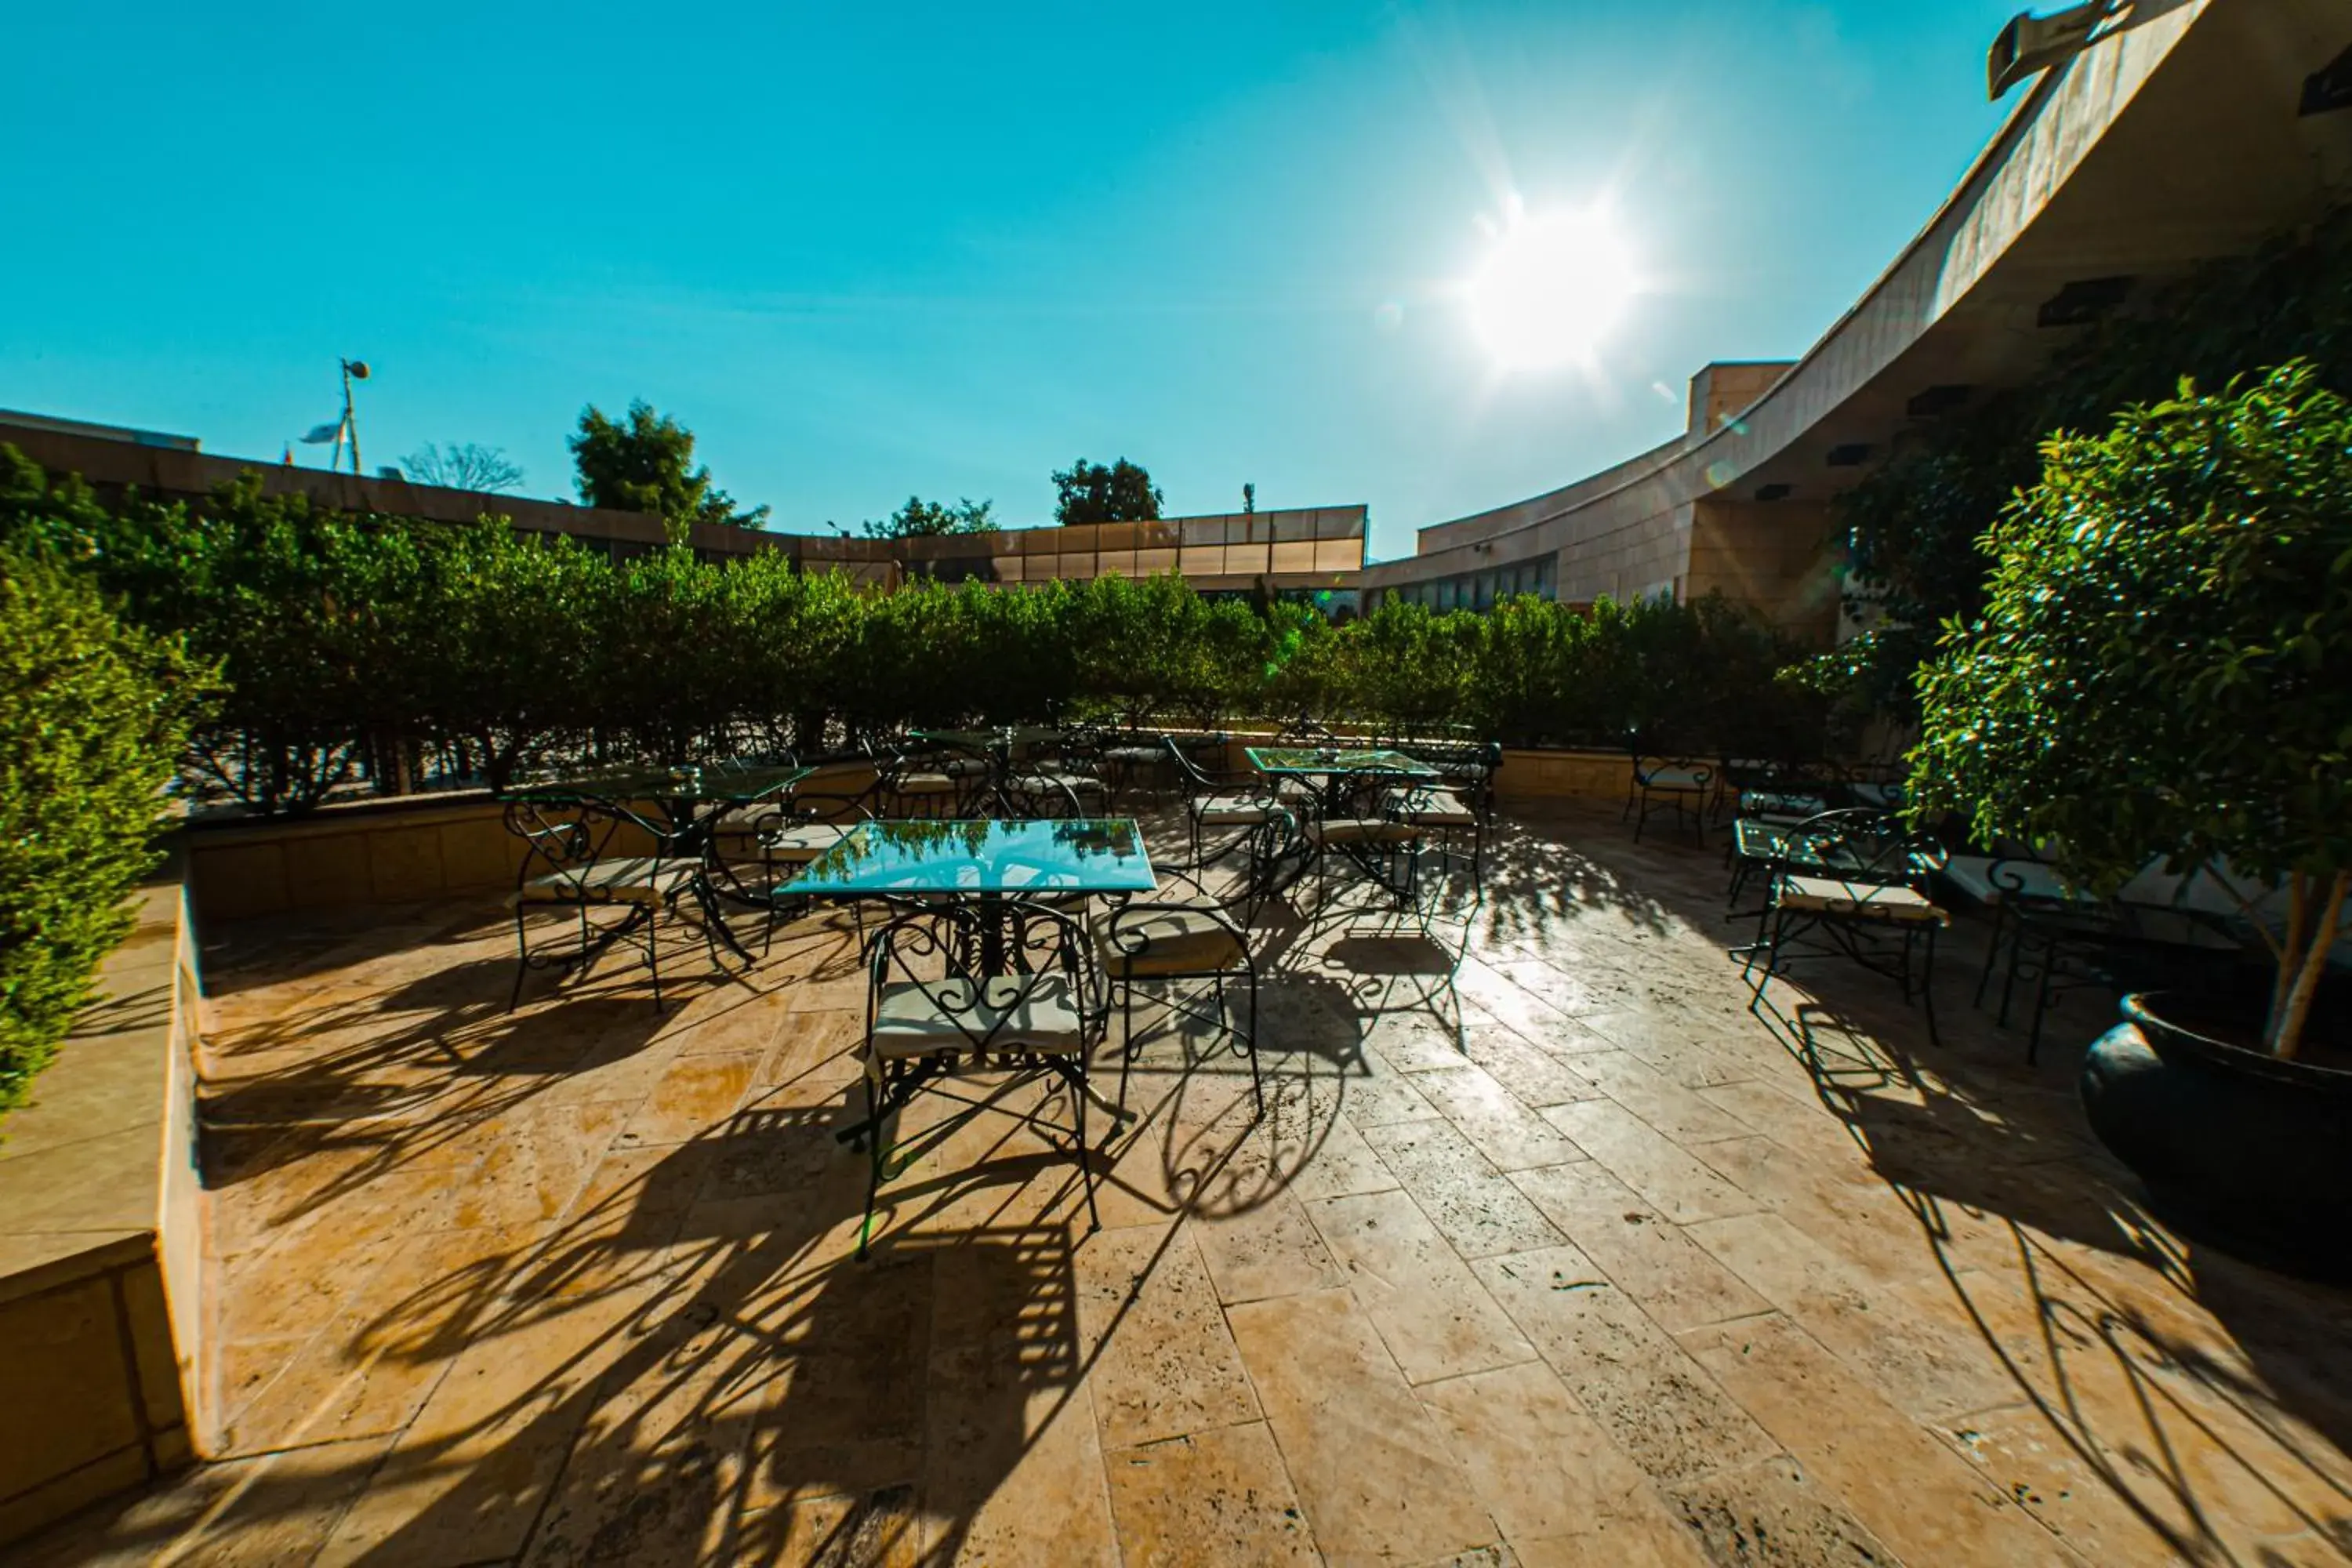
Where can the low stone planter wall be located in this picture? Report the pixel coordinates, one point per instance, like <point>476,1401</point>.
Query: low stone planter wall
<point>101,1240</point>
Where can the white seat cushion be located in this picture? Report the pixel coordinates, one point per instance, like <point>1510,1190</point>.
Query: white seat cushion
<point>1872,901</point>
<point>1046,784</point>
<point>1674,779</point>
<point>1973,875</point>
<point>1226,811</point>
<point>1167,942</point>
<point>1360,830</point>
<point>964,767</point>
<point>740,821</point>
<point>798,843</point>
<point>924,783</point>
<point>625,879</point>
<point>1033,1013</point>
<point>1432,808</point>
<point>1136,754</point>
<point>1776,802</point>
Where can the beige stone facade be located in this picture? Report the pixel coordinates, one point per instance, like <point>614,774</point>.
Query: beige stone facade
<point>2173,137</point>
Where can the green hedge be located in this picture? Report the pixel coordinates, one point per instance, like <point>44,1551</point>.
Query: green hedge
<point>386,643</point>
<point>93,717</point>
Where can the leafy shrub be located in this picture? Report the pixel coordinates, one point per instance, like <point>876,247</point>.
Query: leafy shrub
<point>2164,664</point>
<point>93,717</point>
<point>348,641</point>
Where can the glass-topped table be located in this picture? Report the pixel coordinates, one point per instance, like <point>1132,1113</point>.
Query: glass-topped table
<point>1342,769</point>
<point>999,860</point>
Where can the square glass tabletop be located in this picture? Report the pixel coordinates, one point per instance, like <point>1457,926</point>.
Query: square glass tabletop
<point>1323,761</point>
<point>1086,855</point>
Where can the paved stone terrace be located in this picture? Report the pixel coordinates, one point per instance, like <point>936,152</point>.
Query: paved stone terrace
<point>1549,1251</point>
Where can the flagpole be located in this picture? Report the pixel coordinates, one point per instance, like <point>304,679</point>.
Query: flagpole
<point>351,425</point>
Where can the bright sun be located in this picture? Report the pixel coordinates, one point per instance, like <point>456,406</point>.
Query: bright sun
<point>1550,290</point>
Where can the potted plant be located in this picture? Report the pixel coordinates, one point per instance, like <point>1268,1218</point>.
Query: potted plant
<point>2164,668</point>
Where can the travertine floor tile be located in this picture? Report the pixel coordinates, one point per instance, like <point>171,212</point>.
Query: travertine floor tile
<point>1163,1362</point>
<point>1432,1312</point>
<point>1654,1401</point>
<point>1506,1132</point>
<point>1376,1479</point>
<point>1675,1183</point>
<point>1772,1511</point>
<point>1675,1281</point>
<point>1910,1490</point>
<point>1538,1463</point>
<point>1472,1204</point>
<point>1567,1256</point>
<point>1267,1249</point>
<point>1218,1499</point>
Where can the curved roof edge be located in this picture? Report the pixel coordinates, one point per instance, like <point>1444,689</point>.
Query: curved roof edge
<point>2005,196</point>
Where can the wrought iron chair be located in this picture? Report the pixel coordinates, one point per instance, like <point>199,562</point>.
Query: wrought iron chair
<point>568,865</point>
<point>913,782</point>
<point>1130,758</point>
<point>1204,937</point>
<point>1070,765</point>
<point>935,1013</point>
<point>787,835</point>
<point>1439,810</point>
<point>1466,765</point>
<point>1683,783</point>
<point>1862,889</point>
<point>1218,802</point>
<point>1386,848</point>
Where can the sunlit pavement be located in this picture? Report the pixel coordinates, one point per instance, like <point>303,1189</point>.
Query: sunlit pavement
<point>1547,1249</point>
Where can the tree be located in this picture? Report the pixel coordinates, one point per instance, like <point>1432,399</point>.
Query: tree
<point>463,465</point>
<point>2164,663</point>
<point>1090,492</point>
<point>921,519</point>
<point>645,464</point>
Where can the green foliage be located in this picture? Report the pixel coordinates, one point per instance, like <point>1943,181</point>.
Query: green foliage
<point>921,519</point>
<point>2164,662</point>
<point>93,715</point>
<point>645,463</point>
<point>346,641</point>
<point>1914,523</point>
<point>1090,492</point>
<point>463,465</point>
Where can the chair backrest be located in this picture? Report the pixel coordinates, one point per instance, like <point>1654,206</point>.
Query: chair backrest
<point>559,837</point>
<point>1302,729</point>
<point>1877,847</point>
<point>938,949</point>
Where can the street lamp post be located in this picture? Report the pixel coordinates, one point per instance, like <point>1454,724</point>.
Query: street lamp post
<point>354,370</point>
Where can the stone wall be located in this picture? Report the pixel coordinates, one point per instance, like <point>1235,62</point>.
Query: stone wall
<point>101,1240</point>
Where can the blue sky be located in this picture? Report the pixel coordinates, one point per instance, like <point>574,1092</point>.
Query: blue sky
<point>864,251</point>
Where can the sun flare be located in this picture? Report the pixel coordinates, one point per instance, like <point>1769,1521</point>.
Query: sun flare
<point>1550,290</point>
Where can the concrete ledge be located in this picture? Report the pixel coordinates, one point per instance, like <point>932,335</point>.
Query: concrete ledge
<point>101,1240</point>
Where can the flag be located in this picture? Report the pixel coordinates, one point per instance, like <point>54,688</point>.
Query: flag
<point>288,459</point>
<point>321,434</point>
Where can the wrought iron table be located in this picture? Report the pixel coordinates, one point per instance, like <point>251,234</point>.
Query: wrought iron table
<point>998,865</point>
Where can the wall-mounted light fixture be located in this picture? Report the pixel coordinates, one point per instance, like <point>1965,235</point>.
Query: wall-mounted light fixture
<point>2083,302</point>
<point>2030,44</point>
<point>2328,88</point>
<point>1938,401</point>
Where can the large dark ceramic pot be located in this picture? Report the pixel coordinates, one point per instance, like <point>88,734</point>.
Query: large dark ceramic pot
<point>2242,1151</point>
